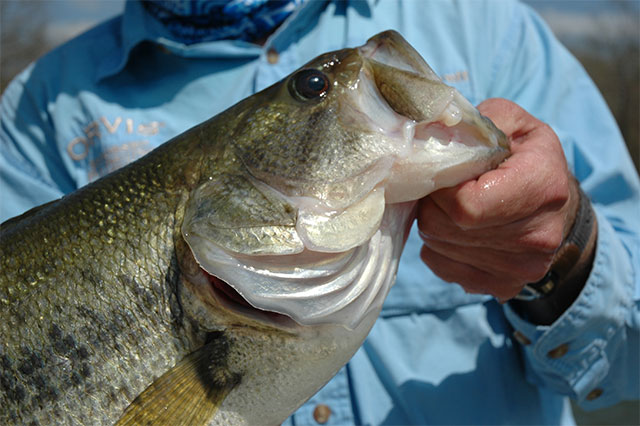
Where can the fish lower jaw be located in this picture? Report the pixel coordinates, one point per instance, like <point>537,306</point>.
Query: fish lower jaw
<point>231,300</point>
<point>439,156</point>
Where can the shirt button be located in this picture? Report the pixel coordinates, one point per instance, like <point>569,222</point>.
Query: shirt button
<point>594,394</point>
<point>558,352</point>
<point>272,56</point>
<point>321,413</point>
<point>521,338</point>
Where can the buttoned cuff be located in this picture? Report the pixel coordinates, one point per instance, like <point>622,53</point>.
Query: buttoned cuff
<point>579,353</point>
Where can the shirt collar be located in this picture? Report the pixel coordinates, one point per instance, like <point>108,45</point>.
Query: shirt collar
<point>137,26</point>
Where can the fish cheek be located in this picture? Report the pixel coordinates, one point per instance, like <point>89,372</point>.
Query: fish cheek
<point>196,297</point>
<point>230,212</point>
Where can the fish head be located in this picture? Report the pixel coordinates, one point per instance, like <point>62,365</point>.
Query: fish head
<point>376,116</point>
<point>300,214</point>
<point>322,172</point>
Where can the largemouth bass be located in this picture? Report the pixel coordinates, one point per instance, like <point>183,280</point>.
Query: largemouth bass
<point>227,275</point>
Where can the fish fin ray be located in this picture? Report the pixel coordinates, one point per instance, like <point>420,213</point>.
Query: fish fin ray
<point>189,393</point>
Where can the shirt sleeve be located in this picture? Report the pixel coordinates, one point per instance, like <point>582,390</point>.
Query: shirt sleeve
<point>591,352</point>
<point>31,168</point>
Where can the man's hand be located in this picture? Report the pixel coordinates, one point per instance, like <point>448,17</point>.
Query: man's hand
<point>497,233</point>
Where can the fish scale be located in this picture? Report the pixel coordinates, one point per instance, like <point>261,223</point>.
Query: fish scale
<point>116,300</point>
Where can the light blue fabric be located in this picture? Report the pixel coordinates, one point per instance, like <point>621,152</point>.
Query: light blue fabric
<point>437,355</point>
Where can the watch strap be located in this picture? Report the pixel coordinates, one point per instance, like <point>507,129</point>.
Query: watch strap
<point>568,254</point>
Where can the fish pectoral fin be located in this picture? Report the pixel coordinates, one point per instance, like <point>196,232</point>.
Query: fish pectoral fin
<point>188,394</point>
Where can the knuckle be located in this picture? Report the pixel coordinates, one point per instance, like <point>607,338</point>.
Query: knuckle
<point>500,104</point>
<point>429,229</point>
<point>465,214</point>
<point>556,236</point>
<point>535,272</point>
<point>549,135</point>
<point>543,245</point>
<point>559,193</point>
<point>547,130</point>
<point>545,241</point>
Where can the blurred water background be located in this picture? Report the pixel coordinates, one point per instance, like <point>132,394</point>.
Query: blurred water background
<point>603,34</point>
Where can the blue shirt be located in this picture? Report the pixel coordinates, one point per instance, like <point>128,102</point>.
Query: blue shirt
<point>436,355</point>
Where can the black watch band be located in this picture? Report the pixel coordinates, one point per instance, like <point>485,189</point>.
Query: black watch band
<point>545,301</point>
<point>568,254</point>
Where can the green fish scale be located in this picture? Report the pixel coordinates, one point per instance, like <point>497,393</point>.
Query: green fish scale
<point>88,292</point>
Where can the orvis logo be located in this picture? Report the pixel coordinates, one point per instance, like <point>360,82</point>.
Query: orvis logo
<point>109,144</point>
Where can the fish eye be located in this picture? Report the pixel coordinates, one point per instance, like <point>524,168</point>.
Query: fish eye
<point>309,84</point>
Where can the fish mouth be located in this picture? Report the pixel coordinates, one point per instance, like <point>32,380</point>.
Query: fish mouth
<point>409,85</point>
<point>413,90</point>
<point>442,139</point>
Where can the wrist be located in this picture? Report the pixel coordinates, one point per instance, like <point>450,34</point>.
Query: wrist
<point>545,301</point>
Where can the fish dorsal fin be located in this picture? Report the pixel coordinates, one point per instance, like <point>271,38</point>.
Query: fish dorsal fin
<point>188,394</point>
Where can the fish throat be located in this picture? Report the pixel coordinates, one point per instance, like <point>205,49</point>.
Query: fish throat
<point>227,294</point>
